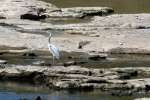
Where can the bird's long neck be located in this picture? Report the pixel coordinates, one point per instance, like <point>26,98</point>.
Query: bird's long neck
<point>49,39</point>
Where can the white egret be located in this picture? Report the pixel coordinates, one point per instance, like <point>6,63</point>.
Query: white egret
<point>53,49</point>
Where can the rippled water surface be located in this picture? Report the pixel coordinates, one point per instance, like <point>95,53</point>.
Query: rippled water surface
<point>24,92</point>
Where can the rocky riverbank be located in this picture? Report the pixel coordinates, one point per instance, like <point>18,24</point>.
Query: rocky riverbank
<point>116,81</point>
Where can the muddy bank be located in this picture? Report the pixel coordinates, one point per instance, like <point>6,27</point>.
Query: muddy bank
<point>117,81</point>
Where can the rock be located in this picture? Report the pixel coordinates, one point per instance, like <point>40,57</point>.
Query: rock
<point>127,74</point>
<point>10,9</point>
<point>81,12</point>
<point>23,99</point>
<point>86,87</point>
<point>97,57</point>
<point>147,87</point>
<point>78,78</point>
<point>121,93</point>
<point>29,54</point>
<point>142,98</point>
<point>36,15</point>
<point>32,17</point>
<point>38,98</point>
<point>3,62</point>
<point>2,17</point>
<point>70,63</point>
<point>41,63</point>
<point>67,85</point>
<point>142,27</point>
<point>108,42</point>
<point>120,50</point>
<point>82,44</point>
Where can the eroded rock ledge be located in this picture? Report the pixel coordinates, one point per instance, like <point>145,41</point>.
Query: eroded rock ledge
<point>118,81</point>
<point>30,9</point>
<point>81,12</point>
<point>15,8</point>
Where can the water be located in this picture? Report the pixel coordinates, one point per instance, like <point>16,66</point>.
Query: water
<point>15,91</point>
<point>63,95</point>
<point>120,6</point>
<point>119,60</point>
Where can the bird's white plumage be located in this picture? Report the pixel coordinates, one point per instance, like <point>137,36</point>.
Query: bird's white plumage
<point>54,50</point>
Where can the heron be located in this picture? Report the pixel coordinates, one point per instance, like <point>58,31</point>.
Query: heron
<point>53,49</point>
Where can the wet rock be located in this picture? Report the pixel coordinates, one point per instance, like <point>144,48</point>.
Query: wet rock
<point>81,62</point>
<point>97,57</point>
<point>23,99</point>
<point>36,15</point>
<point>29,54</point>
<point>67,85</point>
<point>120,50</point>
<point>94,35</point>
<point>82,44</point>
<point>41,63</point>
<point>127,74</point>
<point>32,17</point>
<point>142,27</point>
<point>147,87</point>
<point>3,62</point>
<point>38,98</point>
<point>79,78</point>
<point>142,98</point>
<point>69,63</point>
<point>121,93</point>
<point>2,17</point>
<point>86,87</point>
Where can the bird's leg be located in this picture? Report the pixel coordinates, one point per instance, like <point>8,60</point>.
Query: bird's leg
<point>53,60</point>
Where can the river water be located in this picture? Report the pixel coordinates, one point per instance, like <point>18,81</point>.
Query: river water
<point>15,91</point>
<point>120,6</point>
